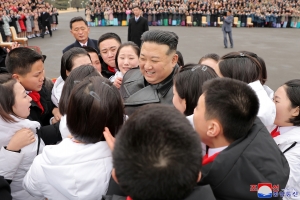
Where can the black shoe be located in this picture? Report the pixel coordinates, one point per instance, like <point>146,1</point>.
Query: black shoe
<point>50,35</point>
<point>225,47</point>
<point>231,47</point>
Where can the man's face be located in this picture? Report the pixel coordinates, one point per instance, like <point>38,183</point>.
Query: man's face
<point>136,11</point>
<point>108,49</point>
<point>95,61</point>
<point>80,31</point>
<point>155,64</point>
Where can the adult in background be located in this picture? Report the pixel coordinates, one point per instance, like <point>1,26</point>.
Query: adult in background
<point>45,17</point>
<point>226,28</point>
<point>152,82</point>
<point>137,26</point>
<point>80,31</point>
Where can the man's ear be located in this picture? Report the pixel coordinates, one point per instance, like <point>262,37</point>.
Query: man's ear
<point>174,59</point>
<point>113,174</point>
<point>214,128</point>
<point>16,76</point>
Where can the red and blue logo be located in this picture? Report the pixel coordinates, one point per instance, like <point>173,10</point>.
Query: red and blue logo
<point>268,190</point>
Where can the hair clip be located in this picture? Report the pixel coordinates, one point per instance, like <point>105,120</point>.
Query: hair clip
<point>242,55</point>
<point>95,95</point>
<point>194,68</point>
<point>204,68</point>
<point>75,82</point>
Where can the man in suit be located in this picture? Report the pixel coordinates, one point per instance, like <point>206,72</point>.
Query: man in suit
<point>137,26</point>
<point>45,22</point>
<point>226,28</point>
<point>80,31</point>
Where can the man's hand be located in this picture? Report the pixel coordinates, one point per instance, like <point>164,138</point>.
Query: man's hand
<point>21,139</point>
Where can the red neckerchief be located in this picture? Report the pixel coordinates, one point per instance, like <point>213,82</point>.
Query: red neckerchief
<point>210,159</point>
<point>111,69</point>
<point>128,198</point>
<point>36,98</point>
<point>275,132</point>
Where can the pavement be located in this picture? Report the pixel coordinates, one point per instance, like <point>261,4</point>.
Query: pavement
<point>280,48</point>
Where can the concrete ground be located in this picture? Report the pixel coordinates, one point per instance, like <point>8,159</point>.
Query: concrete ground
<point>280,48</point>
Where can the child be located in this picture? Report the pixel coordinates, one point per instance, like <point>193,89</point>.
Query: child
<point>167,157</point>
<point>187,86</point>
<point>210,60</point>
<point>88,16</point>
<point>36,24</point>
<point>17,153</point>
<point>6,19</point>
<point>80,167</point>
<point>26,65</point>
<point>70,60</point>
<point>76,76</point>
<point>28,23</point>
<point>240,149</point>
<point>244,67</point>
<point>22,25</point>
<point>127,57</point>
<point>287,133</point>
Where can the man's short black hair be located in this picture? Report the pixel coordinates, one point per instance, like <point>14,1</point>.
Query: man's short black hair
<point>135,6</point>
<point>107,36</point>
<point>233,103</point>
<point>157,154</point>
<point>161,37</point>
<point>77,19</point>
<point>20,60</point>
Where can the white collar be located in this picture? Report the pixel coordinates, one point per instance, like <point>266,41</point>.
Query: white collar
<point>285,129</point>
<point>83,44</point>
<point>136,18</point>
<point>212,151</point>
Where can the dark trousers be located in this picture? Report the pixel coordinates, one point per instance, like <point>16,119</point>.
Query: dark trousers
<point>44,29</point>
<point>225,38</point>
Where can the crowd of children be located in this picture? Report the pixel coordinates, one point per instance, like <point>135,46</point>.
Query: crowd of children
<point>262,13</point>
<point>25,17</point>
<point>223,130</point>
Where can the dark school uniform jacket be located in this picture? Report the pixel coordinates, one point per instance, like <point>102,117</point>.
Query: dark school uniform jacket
<point>36,113</point>
<point>136,29</point>
<point>90,43</point>
<point>247,161</point>
<point>4,189</point>
<point>136,91</point>
<point>199,192</point>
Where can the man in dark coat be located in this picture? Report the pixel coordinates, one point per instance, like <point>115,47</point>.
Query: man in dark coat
<point>45,17</point>
<point>152,82</point>
<point>137,26</point>
<point>80,31</point>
